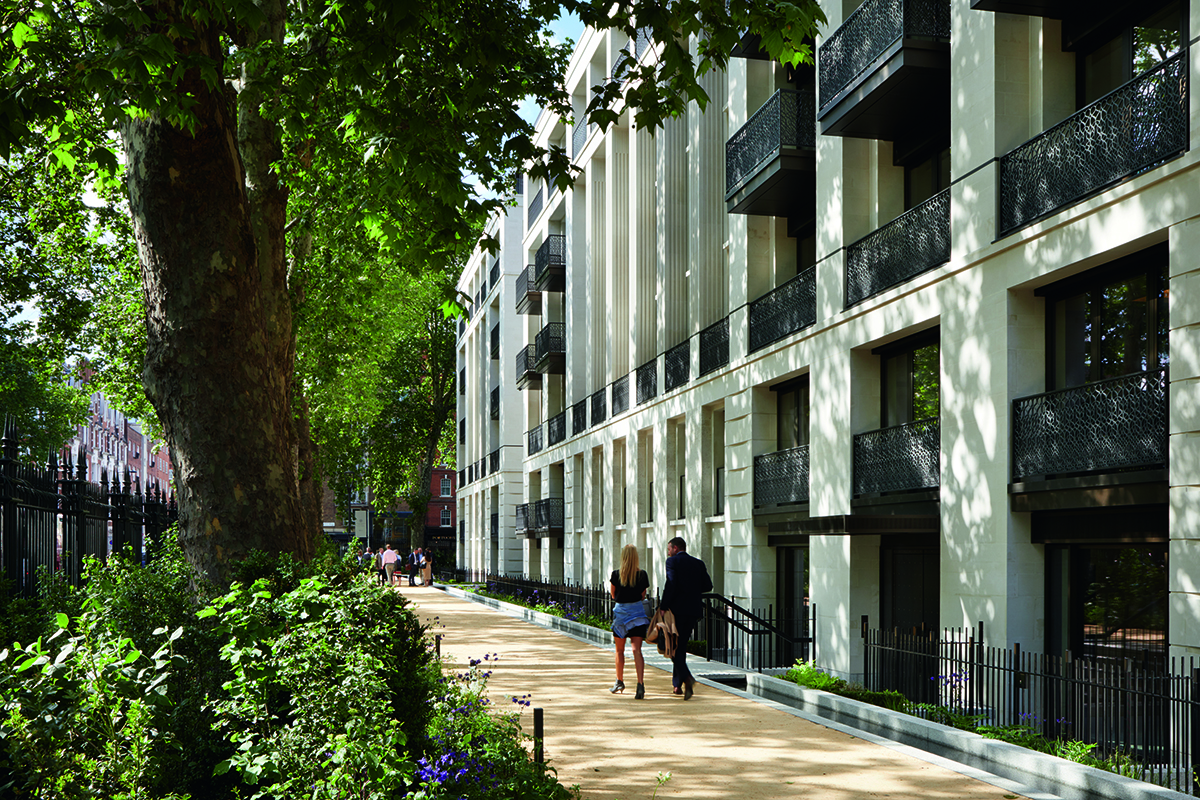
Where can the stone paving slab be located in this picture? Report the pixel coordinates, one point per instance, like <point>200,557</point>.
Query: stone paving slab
<point>719,744</point>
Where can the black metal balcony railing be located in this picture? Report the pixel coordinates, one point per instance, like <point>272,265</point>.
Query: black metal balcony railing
<point>481,468</point>
<point>551,340</point>
<point>535,441</point>
<point>548,514</point>
<point>494,403</point>
<point>522,522</point>
<point>599,411</point>
<point>470,473</point>
<point>647,381</point>
<point>642,43</point>
<point>526,361</point>
<point>714,346</point>
<point>495,528</point>
<point>784,310</point>
<point>579,422</point>
<point>462,477</point>
<point>579,135</point>
<point>869,32</point>
<point>557,428</point>
<point>677,365</point>
<point>914,242</point>
<point>788,119</point>
<point>462,382</point>
<point>619,64</point>
<point>620,395</point>
<point>552,255</point>
<point>1115,424</point>
<point>528,299</point>
<point>781,477</point>
<point>1126,132</point>
<point>495,273</point>
<point>901,458</point>
<point>535,206</point>
<point>494,459</point>
<point>495,341</point>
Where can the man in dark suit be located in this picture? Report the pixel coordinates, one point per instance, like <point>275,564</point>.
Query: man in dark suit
<point>687,580</point>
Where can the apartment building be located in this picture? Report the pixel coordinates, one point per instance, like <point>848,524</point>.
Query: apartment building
<point>888,335</point>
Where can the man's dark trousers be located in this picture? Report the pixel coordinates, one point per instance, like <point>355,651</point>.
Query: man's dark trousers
<point>680,674</point>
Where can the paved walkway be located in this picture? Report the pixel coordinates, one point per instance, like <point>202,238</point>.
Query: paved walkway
<point>720,744</point>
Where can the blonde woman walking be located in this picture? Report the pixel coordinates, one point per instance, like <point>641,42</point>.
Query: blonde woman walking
<point>629,585</point>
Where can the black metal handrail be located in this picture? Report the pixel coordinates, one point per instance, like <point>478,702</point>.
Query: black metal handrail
<point>714,346</point>
<point>901,458</point>
<point>551,340</point>
<point>548,513</point>
<point>869,32</point>
<point>647,381</point>
<point>599,411</point>
<point>766,639</point>
<point>1131,129</point>
<point>552,253</point>
<point>495,343</point>
<point>914,242</point>
<point>677,365</point>
<point>535,440</point>
<point>557,428</point>
<point>620,395</point>
<point>535,206</point>
<point>785,310</point>
<point>781,477</point>
<point>522,518</point>
<point>579,420</point>
<point>786,120</point>
<point>1114,424</point>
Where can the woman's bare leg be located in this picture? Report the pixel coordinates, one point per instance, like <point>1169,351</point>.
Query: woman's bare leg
<point>621,657</point>
<point>638,662</point>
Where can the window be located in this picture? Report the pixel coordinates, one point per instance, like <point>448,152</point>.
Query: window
<point>925,179</point>
<point>446,521</point>
<point>1114,53</point>
<point>445,486</point>
<point>1109,322</point>
<point>910,379</point>
<point>792,414</point>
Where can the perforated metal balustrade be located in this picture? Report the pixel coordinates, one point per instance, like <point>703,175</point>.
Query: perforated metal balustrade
<point>714,346</point>
<point>781,477</point>
<point>900,458</point>
<point>785,310</point>
<point>787,119</point>
<point>914,242</point>
<point>647,381</point>
<point>677,365</point>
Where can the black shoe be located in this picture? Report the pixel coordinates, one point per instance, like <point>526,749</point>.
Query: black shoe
<point>689,687</point>
<point>619,686</point>
<point>641,692</point>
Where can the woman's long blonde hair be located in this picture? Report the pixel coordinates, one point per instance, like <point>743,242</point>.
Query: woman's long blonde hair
<point>629,565</point>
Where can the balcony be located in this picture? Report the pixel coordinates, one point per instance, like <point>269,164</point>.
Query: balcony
<point>677,365</point>
<point>785,310</point>
<point>522,522</point>
<point>529,299</point>
<point>496,341</point>
<point>1106,426</point>
<point>770,164</point>
<point>714,346</point>
<point>462,477</point>
<point>556,428</point>
<point>527,374</point>
<point>599,411</point>
<point>494,403</point>
<point>898,459</point>
<point>781,478</point>
<point>647,381</point>
<point>495,528</point>
<point>579,136</point>
<point>620,395</point>
<point>914,242</point>
<point>886,71</point>
<point>534,440</point>
<point>494,274</point>
<point>550,264</point>
<point>551,346</point>
<point>548,517</point>
<point>494,460</point>
<point>579,417</point>
<point>1054,9</point>
<point>535,207</point>
<point>1128,131</point>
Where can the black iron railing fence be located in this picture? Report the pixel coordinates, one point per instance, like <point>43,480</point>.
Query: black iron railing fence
<point>522,518</point>
<point>1119,423</point>
<point>647,381</point>
<point>535,440</point>
<point>869,32</point>
<point>51,516</point>
<point>557,428</point>
<point>552,253</point>
<point>575,598</point>
<point>579,419</point>
<point>677,365</point>
<point>1147,713</point>
<point>1129,130</point>
<point>714,346</point>
<point>599,409</point>
<point>786,120</point>
<point>914,242</point>
<point>784,310</point>
<point>900,458</point>
<point>620,395</point>
<point>769,638</point>
<point>781,477</point>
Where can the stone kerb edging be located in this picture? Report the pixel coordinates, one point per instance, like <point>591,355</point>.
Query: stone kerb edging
<point>1048,773</point>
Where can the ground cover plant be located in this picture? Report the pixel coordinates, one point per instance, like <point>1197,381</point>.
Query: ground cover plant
<point>299,681</point>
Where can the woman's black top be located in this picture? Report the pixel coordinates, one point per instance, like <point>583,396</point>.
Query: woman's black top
<point>630,594</point>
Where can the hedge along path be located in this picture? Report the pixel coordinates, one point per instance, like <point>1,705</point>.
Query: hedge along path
<point>716,745</point>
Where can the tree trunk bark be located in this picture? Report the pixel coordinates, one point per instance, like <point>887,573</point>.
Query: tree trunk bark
<point>220,343</point>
